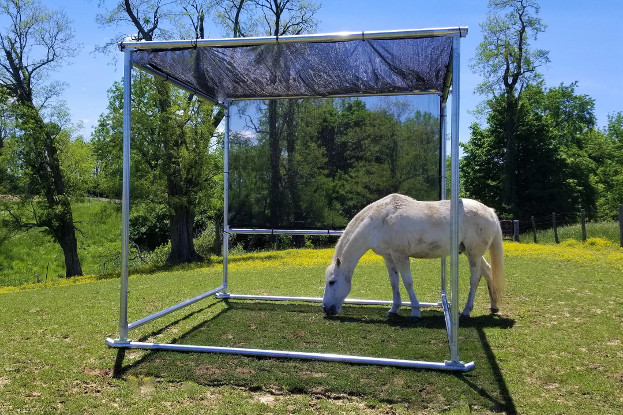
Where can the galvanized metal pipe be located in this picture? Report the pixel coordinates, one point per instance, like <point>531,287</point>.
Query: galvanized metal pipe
<point>454,204</point>
<point>264,231</point>
<point>226,229</point>
<point>443,178</point>
<point>329,357</point>
<point>230,296</point>
<point>173,308</point>
<point>125,195</point>
<point>306,38</point>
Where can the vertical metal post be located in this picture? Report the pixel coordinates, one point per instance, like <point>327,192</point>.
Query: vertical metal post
<point>443,178</point>
<point>454,204</point>
<point>226,197</point>
<point>125,195</point>
<point>533,228</point>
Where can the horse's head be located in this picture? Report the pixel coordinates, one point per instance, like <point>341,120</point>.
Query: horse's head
<point>338,283</point>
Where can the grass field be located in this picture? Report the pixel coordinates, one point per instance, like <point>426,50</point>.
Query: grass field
<point>33,256</point>
<point>555,347</point>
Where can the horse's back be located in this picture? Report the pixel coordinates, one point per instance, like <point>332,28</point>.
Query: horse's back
<point>419,229</point>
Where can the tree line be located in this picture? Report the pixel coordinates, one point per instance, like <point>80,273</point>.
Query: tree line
<point>308,163</point>
<point>539,148</point>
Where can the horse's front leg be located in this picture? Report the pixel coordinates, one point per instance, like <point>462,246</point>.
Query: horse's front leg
<point>402,263</point>
<point>394,280</point>
<point>474,279</point>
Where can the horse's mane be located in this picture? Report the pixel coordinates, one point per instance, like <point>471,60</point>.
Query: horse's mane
<point>350,231</point>
<point>396,201</point>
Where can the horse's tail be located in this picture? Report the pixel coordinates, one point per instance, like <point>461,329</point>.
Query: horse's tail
<point>496,252</point>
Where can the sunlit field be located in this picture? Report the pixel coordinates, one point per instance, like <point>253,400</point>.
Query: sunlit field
<point>555,347</point>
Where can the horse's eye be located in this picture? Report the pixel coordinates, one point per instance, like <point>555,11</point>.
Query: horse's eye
<point>331,282</point>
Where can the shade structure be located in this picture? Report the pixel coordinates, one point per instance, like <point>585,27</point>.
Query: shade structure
<point>421,61</point>
<point>373,63</point>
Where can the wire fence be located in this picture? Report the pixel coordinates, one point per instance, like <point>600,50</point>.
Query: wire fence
<point>557,227</point>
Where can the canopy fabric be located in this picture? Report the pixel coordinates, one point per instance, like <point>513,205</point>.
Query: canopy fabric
<point>308,69</point>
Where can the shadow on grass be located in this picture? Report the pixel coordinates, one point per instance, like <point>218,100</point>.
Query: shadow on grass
<point>360,330</point>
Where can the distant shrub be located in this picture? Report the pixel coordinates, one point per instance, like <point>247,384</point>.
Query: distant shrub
<point>149,225</point>
<point>204,243</point>
<point>159,255</point>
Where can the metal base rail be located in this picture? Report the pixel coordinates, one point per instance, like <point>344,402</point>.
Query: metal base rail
<point>173,308</point>
<point>328,357</point>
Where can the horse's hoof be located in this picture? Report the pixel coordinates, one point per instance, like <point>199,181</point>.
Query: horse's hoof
<point>494,310</point>
<point>464,317</point>
<point>415,319</point>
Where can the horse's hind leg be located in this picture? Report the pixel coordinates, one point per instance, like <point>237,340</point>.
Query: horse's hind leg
<point>394,280</point>
<point>486,272</point>
<point>474,279</point>
<point>402,262</point>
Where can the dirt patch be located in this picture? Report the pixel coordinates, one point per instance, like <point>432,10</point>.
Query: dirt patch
<point>208,371</point>
<point>244,371</point>
<point>4,381</point>
<point>308,375</point>
<point>266,399</point>
<point>101,373</point>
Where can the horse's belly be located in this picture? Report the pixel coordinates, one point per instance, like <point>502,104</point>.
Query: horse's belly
<point>415,247</point>
<point>428,250</point>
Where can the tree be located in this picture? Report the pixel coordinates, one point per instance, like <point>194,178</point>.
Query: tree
<point>35,42</point>
<point>508,63</point>
<point>555,135</point>
<point>606,149</point>
<point>153,19</point>
<point>276,18</point>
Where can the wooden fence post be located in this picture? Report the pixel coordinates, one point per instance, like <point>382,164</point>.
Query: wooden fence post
<point>516,230</point>
<point>583,219</point>
<point>533,228</point>
<point>555,228</point>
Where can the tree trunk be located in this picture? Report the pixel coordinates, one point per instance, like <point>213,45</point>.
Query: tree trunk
<point>182,216</point>
<point>182,245</point>
<point>510,135</point>
<point>69,244</point>
<point>58,217</point>
<point>275,170</point>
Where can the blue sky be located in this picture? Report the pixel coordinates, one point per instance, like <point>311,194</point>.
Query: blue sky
<point>583,38</point>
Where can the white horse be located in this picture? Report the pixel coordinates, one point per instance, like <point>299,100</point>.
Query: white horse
<point>397,227</point>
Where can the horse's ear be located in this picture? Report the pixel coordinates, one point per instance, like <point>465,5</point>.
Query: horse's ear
<point>338,262</point>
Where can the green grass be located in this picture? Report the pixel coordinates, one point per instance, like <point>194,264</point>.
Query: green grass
<point>604,230</point>
<point>33,256</point>
<point>555,347</point>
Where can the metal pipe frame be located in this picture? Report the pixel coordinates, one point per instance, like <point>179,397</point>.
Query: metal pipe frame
<point>305,38</point>
<point>450,309</point>
<point>328,357</point>
<point>229,296</point>
<point>454,204</point>
<point>258,231</point>
<point>125,196</point>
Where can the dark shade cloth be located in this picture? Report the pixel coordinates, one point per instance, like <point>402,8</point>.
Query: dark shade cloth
<point>321,69</point>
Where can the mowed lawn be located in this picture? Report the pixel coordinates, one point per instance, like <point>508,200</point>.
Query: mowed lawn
<point>555,347</point>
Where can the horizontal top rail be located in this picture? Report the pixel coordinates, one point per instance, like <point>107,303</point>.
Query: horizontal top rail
<point>268,231</point>
<point>308,38</point>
